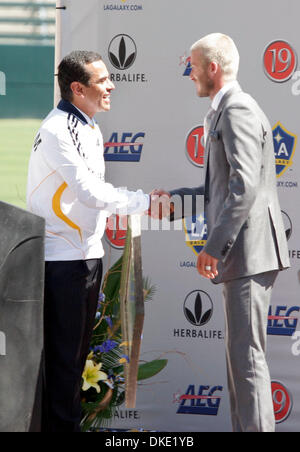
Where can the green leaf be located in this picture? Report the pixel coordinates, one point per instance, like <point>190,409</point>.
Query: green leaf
<point>112,280</point>
<point>150,369</point>
<point>120,399</point>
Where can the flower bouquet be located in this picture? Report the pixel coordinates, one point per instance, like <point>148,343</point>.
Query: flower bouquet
<point>103,388</point>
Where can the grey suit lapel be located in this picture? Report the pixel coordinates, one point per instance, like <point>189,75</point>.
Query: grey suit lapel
<point>212,132</point>
<point>212,127</point>
<point>217,115</point>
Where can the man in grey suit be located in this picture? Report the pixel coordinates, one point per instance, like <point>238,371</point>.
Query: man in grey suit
<point>246,245</point>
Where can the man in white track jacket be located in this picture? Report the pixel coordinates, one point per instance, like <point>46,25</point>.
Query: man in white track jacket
<point>66,186</point>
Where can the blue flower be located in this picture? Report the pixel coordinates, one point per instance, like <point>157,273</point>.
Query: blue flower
<point>106,346</point>
<point>109,321</point>
<point>96,349</point>
<point>111,377</point>
<point>101,299</point>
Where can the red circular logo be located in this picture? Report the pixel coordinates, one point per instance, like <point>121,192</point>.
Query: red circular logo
<point>282,402</point>
<point>116,230</point>
<point>195,146</point>
<point>280,61</point>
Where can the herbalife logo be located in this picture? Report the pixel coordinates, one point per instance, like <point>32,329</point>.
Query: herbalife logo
<point>198,308</point>
<point>122,52</point>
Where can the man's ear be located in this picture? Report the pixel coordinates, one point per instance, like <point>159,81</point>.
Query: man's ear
<point>213,68</point>
<point>77,89</point>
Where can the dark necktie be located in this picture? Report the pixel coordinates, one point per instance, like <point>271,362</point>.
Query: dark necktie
<point>207,122</point>
<point>207,126</point>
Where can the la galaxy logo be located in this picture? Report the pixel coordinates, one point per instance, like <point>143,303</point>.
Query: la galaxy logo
<point>124,6</point>
<point>284,146</point>
<point>195,229</point>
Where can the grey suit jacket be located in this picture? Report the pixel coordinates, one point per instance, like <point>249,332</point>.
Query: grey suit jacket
<point>244,220</point>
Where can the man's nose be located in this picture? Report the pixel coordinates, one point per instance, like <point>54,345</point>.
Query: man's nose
<point>111,86</point>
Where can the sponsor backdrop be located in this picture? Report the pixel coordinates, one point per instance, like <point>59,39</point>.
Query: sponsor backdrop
<point>153,138</point>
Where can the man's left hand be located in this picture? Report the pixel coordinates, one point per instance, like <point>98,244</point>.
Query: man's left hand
<point>207,265</point>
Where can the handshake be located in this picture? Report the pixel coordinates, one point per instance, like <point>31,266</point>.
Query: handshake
<point>160,204</point>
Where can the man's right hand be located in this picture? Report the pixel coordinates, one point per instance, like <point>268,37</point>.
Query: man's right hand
<point>160,205</point>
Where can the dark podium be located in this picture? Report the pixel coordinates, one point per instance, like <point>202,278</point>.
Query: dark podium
<point>21,318</point>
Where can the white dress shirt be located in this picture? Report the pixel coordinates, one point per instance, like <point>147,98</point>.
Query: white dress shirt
<point>218,97</point>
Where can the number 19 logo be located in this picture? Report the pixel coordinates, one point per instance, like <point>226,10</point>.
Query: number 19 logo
<point>280,61</point>
<point>195,146</point>
<point>282,401</point>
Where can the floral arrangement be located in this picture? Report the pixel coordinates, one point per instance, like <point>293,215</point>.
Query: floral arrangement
<point>103,387</point>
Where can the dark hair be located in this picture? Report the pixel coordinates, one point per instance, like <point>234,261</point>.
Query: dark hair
<point>72,69</point>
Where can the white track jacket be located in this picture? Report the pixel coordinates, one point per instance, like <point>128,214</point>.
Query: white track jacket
<point>66,186</point>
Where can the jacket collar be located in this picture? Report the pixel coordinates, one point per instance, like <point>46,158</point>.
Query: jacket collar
<point>235,89</point>
<point>221,93</point>
<point>66,106</point>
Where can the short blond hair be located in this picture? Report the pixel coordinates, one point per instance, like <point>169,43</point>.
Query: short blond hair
<point>221,49</point>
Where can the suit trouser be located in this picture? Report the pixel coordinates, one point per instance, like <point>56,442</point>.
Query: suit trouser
<point>247,303</point>
<point>71,298</point>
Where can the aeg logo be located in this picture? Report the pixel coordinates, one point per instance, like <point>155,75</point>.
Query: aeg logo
<point>205,402</point>
<point>282,322</point>
<point>127,149</point>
